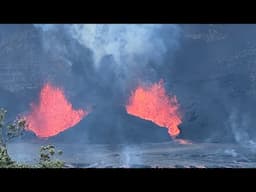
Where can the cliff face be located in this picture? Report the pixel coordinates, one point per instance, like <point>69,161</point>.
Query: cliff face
<point>24,61</point>
<point>214,77</point>
<point>20,48</point>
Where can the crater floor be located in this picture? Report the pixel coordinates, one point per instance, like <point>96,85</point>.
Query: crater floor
<point>148,155</point>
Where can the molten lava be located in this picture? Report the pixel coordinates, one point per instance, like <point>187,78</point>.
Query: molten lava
<point>53,114</point>
<point>152,103</point>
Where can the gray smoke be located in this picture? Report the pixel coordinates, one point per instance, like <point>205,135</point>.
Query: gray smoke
<point>126,43</point>
<point>130,156</point>
<point>125,52</point>
<point>239,125</point>
<point>108,60</point>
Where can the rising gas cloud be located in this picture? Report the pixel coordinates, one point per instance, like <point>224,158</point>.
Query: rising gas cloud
<point>135,50</point>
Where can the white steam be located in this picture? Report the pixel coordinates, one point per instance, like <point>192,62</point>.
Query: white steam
<point>46,27</point>
<point>130,157</point>
<point>125,42</point>
<point>125,52</point>
<point>239,124</point>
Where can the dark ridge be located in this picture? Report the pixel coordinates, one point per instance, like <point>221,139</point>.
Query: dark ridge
<point>109,125</point>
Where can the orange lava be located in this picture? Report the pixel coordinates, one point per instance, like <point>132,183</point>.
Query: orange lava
<point>53,114</point>
<point>152,103</point>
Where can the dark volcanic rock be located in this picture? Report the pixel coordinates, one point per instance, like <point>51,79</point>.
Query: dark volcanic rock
<point>110,125</point>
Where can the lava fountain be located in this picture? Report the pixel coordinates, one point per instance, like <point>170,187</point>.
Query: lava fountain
<point>53,114</point>
<point>152,103</point>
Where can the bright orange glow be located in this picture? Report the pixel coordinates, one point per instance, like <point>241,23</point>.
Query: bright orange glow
<point>53,114</point>
<point>152,103</point>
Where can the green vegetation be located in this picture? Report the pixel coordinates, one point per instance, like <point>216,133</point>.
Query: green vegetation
<point>46,157</point>
<point>14,129</point>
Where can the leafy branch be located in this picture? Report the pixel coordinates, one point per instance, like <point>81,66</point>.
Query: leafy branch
<point>14,129</point>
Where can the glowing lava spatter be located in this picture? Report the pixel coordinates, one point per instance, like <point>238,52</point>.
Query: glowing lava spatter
<point>53,114</point>
<point>152,103</point>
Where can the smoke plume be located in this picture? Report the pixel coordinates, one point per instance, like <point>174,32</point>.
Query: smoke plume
<point>123,52</point>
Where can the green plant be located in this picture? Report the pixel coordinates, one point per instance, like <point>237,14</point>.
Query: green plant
<point>7,132</point>
<point>47,160</point>
<point>11,129</point>
<point>5,160</point>
<point>14,129</point>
